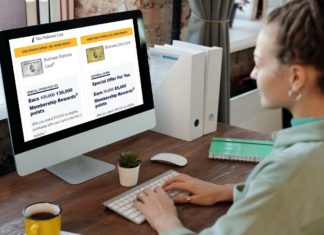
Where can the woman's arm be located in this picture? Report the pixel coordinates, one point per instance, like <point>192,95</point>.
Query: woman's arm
<point>160,211</point>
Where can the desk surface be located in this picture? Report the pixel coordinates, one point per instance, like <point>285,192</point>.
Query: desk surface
<point>83,211</point>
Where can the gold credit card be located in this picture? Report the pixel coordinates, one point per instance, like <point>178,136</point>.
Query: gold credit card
<point>32,68</point>
<point>95,54</point>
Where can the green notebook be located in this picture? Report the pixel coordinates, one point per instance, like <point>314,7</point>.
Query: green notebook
<point>239,149</point>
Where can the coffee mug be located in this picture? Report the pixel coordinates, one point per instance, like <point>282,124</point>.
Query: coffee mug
<point>42,218</point>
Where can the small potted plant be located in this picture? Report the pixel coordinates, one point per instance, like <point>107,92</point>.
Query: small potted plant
<point>128,168</point>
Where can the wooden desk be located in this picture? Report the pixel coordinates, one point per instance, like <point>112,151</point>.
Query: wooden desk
<point>83,211</point>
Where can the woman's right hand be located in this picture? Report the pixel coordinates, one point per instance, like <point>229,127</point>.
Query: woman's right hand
<point>201,192</point>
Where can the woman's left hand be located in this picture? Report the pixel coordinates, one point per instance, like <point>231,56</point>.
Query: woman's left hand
<point>158,209</point>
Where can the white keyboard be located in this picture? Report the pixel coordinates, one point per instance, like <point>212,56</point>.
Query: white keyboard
<point>123,203</point>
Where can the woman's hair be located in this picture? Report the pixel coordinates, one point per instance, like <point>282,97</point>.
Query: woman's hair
<point>300,37</point>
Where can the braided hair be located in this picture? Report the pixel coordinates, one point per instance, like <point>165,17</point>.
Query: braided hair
<point>301,34</point>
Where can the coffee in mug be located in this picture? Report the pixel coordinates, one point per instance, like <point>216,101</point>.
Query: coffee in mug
<point>42,218</point>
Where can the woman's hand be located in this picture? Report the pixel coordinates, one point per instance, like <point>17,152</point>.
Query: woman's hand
<point>158,209</point>
<point>201,192</point>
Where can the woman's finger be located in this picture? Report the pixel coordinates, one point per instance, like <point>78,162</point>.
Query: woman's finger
<point>178,178</point>
<point>141,196</point>
<point>182,198</point>
<point>138,204</point>
<point>178,186</point>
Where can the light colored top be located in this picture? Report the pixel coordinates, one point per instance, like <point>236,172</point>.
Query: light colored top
<point>302,121</point>
<point>284,194</point>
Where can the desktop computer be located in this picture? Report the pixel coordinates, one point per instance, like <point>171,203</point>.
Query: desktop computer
<point>72,87</point>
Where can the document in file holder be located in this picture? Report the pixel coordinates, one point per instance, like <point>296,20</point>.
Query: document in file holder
<point>178,91</point>
<point>213,65</point>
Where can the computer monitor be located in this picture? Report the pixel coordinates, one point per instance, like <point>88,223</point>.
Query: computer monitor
<point>72,87</point>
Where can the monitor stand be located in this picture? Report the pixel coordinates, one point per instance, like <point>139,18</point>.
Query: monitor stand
<point>80,169</point>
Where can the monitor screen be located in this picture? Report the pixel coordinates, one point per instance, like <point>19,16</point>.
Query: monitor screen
<point>72,81</point>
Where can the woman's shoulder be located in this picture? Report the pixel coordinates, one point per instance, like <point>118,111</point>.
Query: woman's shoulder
<point>293,163</point>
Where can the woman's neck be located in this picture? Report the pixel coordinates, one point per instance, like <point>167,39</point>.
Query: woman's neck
<point>311,107</point>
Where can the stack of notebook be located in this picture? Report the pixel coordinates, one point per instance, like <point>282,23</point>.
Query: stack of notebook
<point>239,149</point>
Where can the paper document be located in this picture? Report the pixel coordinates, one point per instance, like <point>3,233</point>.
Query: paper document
<point>160,64</point>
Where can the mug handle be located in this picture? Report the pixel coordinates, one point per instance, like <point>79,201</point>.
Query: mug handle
<point>34,229</point>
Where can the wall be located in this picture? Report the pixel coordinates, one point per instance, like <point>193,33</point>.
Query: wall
<point>12,14</point>
<point>157,15</point>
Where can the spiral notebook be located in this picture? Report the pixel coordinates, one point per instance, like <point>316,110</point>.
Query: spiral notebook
<point>239,149</point>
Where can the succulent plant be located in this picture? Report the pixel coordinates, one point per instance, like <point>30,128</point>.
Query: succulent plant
<point>128,159</point>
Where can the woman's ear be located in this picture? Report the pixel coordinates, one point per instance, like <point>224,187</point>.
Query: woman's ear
<point>297,77</point>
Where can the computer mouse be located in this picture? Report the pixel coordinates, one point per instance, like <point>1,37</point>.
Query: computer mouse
<point>170,158</point>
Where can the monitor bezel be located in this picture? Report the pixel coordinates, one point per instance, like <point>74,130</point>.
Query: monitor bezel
<point>15,125</point>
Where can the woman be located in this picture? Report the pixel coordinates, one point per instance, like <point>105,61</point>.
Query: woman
<point>284,194</point>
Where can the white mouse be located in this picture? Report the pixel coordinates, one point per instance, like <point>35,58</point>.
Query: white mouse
<point>170,158</point>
